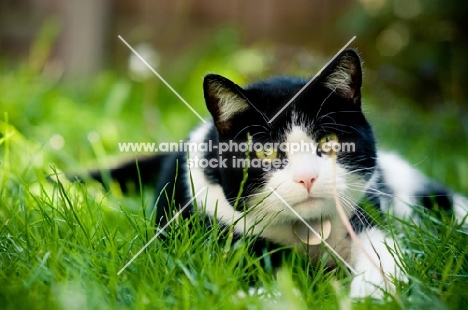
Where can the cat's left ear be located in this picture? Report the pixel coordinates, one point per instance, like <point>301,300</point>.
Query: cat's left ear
<point>344,76</point>
<point>224,100</point>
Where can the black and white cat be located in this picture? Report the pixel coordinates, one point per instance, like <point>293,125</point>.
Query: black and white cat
<point>267,200</point>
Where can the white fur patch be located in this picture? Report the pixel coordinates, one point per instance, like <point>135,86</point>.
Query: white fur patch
<point>403,180</point>
<point>214,201</point>
<point>460,208</point>
<point>319,202</point>
<point>369,280</point>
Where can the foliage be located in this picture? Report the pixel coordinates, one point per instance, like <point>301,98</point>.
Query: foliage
<point>416,48</point>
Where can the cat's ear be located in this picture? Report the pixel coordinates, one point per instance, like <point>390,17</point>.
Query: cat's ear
<point>344,76</point>
<point>224,100</point>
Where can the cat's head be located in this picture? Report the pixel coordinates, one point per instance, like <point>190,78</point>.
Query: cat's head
<point>323,122</point>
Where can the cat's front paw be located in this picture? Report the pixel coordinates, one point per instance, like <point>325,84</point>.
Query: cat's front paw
<point>370,260</point>
<point>370,284</point>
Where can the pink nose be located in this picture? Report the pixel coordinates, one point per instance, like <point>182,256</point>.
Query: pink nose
<point>306,179</point>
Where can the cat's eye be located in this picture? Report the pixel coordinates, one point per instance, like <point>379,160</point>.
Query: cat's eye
<point>328,144</point>
<point>267,153</point>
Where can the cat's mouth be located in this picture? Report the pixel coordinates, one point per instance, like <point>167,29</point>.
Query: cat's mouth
<point>313,198</point>
<point>310,200</point>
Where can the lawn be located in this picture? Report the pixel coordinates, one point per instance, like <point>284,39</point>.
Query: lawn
<point>62,244</point>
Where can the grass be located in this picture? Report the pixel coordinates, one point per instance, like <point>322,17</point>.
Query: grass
<point>61,246</point>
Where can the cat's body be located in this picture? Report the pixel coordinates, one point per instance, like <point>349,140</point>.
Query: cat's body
<point>257,201</point>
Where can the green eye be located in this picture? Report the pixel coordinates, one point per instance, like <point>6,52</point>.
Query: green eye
<point>327,143</point>
<point>267,153</point>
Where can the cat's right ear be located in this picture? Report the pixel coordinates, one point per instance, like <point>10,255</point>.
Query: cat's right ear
<point>224,100</point>
<point>344,76</point>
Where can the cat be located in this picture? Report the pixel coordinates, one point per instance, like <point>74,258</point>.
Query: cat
<point>265,191</point>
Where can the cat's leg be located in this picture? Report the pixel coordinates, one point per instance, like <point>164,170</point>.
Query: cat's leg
<point>369,281</point>
<point>460,209</point>
<point>407,189</point>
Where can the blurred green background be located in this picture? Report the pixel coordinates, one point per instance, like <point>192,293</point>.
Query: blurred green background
<point>71,90</point>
